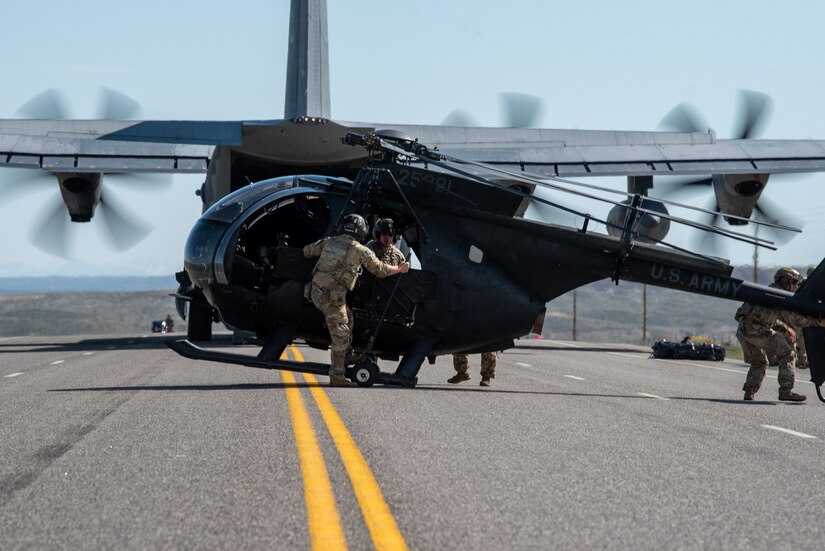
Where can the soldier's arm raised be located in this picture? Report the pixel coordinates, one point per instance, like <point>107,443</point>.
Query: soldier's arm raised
<point>314,249</point>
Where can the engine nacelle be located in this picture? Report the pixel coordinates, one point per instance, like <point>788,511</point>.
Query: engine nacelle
<point>737,194</point>
<point>81,193</point>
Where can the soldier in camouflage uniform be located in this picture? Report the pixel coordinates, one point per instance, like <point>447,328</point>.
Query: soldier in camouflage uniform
<point>383,243</point>
<point>461,363</point>
<point>339,261</point>
<point>764,331</point>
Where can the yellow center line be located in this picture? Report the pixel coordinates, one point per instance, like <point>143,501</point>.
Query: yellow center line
<point>296,354</point>
<point>325,530</point>
<point>380,522</point>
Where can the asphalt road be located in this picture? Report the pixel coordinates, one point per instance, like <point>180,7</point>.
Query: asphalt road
<point>118,443</point>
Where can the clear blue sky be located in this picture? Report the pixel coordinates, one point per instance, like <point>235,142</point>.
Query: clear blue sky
<point>596,65</point>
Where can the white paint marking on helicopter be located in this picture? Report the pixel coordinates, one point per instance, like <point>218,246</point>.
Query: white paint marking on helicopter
<point>57,362</point>
<point>788,431</point>
<point>522,364</point>
<point>130,342</point>
<point>110,347</point>
<point>88,353</point>
<point>8,338</point>
<point>574,377</point>
<point>13,374</point>
<point>646,395</point>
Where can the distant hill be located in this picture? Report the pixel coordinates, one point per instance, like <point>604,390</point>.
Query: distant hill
<point>605,312</point>
<point>23,285</point>
<point>85,313</point>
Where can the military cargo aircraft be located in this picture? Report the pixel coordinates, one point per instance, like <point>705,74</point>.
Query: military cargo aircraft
<point>81,155</point>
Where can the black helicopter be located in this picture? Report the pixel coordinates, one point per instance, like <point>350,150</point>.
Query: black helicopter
<point>486,273</point>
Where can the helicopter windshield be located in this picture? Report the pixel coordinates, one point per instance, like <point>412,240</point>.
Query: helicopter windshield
<point>234,204</point>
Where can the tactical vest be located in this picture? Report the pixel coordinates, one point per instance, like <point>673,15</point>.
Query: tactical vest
<point>340,261</point>
<point>750,314</point>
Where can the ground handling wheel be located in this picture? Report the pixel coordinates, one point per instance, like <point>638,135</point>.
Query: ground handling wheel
<point>365,372</point>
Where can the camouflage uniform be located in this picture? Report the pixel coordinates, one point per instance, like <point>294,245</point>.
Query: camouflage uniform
<point>393,256</point>
<point>338,267</point>
<point>461,363</point>
<point>760,333</point>
<point>801,353</point>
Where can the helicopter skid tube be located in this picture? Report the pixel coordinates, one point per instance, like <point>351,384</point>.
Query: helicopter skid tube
<point>367,375</point>
<point>193,352</point>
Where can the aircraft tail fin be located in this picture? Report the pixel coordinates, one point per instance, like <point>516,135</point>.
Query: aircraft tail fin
<point>307,68</point>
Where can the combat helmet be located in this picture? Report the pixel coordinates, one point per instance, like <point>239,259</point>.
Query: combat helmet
<point>384,225</point>
<point>785,276</point>
<point>355,225</point>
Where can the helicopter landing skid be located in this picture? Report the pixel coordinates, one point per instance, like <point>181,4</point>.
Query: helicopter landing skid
<point>364,373</point>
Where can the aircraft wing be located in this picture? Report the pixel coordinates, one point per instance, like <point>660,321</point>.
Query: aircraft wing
<point>114,146</point>
<point>186,146</point>
<point>579,153</point>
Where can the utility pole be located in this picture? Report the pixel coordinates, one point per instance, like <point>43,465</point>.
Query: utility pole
<point>756,255</point>
<point>574,314</point>
<point>644,314</point>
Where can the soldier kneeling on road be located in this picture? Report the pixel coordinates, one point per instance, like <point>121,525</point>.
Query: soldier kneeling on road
<point>763,331</point>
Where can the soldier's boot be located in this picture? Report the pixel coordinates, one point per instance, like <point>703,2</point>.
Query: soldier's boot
<point>336,370</point>
<point>336,381</point>
<point>459,377</point>
<point>750,394</point>
<point>788,395</point>
<point>485,381</point>
<point>353,357</point>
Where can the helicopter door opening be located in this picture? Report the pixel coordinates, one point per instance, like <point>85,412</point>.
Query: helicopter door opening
<point>291,223</point>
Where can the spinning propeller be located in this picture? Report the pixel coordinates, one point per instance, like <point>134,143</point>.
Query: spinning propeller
<point>517,111</point>
<point>53,231</point>
<point>753,112</point>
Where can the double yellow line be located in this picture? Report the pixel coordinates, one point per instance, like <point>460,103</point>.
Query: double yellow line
<point>325,529</point>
